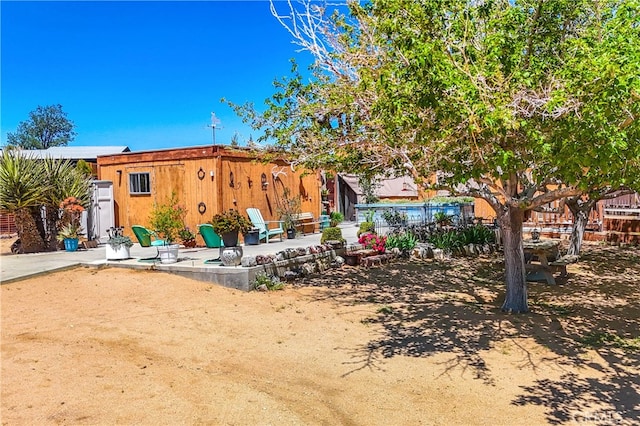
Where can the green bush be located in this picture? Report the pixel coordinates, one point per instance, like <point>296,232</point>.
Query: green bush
<point>330,234</point>
<point>271,282</point>
<point>477,234</point>
<point>394,218</point>
<point>404,241</point>
<point>367,227</point>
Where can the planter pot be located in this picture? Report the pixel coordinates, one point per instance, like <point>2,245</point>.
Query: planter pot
<point>252,238</point>
<point>168,254</point>
<point>352,259</point>
<point>121,252</point>
<point>230,239</point>
<point>231,256</point>
<point>291,234</point>
<point>71,244</point>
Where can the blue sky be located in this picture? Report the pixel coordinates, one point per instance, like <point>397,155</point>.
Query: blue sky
<point>143,74</point>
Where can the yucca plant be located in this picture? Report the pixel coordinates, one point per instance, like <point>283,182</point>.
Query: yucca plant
<point>22,189</point>
<point>65,181</point>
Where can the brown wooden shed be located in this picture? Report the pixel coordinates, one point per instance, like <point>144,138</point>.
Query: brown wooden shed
<point>207,180</point>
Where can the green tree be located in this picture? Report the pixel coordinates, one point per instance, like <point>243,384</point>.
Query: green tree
<point>84,168</point>
<point>46,127</point>
<point>519,103</point>
<point>235,140</point>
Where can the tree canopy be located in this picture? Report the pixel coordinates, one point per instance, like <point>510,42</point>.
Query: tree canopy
<point>46,127</point>
<point>518,102</point>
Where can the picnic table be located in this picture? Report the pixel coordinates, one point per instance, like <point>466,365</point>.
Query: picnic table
<point>539,256</point>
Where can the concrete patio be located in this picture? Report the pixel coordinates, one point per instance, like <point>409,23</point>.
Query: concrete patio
<point>191,261</point>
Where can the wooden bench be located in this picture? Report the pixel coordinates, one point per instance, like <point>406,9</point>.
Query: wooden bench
<point>306,223</point>
<point>560,264</point>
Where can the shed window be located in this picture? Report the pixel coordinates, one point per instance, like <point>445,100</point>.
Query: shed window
<point>139,183</point>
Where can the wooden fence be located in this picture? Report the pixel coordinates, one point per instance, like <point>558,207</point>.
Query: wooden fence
<point>7,224</point>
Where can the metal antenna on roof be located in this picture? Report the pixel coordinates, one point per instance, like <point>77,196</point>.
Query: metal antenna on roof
<point>214,125</point>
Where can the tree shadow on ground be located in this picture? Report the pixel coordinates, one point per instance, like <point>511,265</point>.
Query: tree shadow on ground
<point>453,307</point>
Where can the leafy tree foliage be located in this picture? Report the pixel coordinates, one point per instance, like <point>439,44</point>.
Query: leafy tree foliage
<point>46,127</point>
<point>517,102</point>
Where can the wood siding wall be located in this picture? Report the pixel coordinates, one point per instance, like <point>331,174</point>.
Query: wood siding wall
<point>220,178</point>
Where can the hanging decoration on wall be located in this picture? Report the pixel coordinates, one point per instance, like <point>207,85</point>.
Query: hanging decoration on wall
<point>249,181</point>
<point>231,180</point>
<point>263,181</point>
<point>201,174</point>
<point>202,207</point>
<point>276,173</point>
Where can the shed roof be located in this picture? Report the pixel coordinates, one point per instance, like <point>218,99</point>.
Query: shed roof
<point>391,187</point>
<point>78,152</point>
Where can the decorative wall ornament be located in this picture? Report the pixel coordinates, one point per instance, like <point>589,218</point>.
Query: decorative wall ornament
<point>202,207</point>
<point>201,174</point>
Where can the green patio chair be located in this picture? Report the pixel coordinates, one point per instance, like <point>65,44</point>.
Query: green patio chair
<point>146,238</point>
<point>211,239</point>
<point>258,222</point>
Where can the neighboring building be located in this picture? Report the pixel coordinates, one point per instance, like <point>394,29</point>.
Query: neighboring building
<point>207,180</point>
<point>77,153</point>
<point>349,193</point>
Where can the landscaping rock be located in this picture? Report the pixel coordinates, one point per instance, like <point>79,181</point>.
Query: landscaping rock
<point>308,268</point>
<point>337,262</point>
<point>290,276</point>
<point>248,261</point>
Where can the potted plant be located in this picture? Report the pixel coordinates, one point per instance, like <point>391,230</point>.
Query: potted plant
<point>289,210</point>
<point>118,245</point>
<point>70,230</point>
<point>228,224</point>
<point>167,221</point>
<point>188,238</point>
<point>335,218</point>
<point>324,194</point>
<point>69,234</point>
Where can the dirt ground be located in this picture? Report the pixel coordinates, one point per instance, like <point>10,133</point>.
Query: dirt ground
<point>410,343</point>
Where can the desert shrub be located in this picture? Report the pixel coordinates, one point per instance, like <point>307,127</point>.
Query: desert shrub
<point>270,282</point>
<point>331,233</point>
<point>365,227</point>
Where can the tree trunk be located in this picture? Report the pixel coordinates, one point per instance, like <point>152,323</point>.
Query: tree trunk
<point>580,211</point>
<point>51,228</point>
<point>30,238</point>
<point>510,222</point>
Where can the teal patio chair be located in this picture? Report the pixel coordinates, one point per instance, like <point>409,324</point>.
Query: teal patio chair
<point>146,238</point>
<point>211,239</point>
<point>258,222</point>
